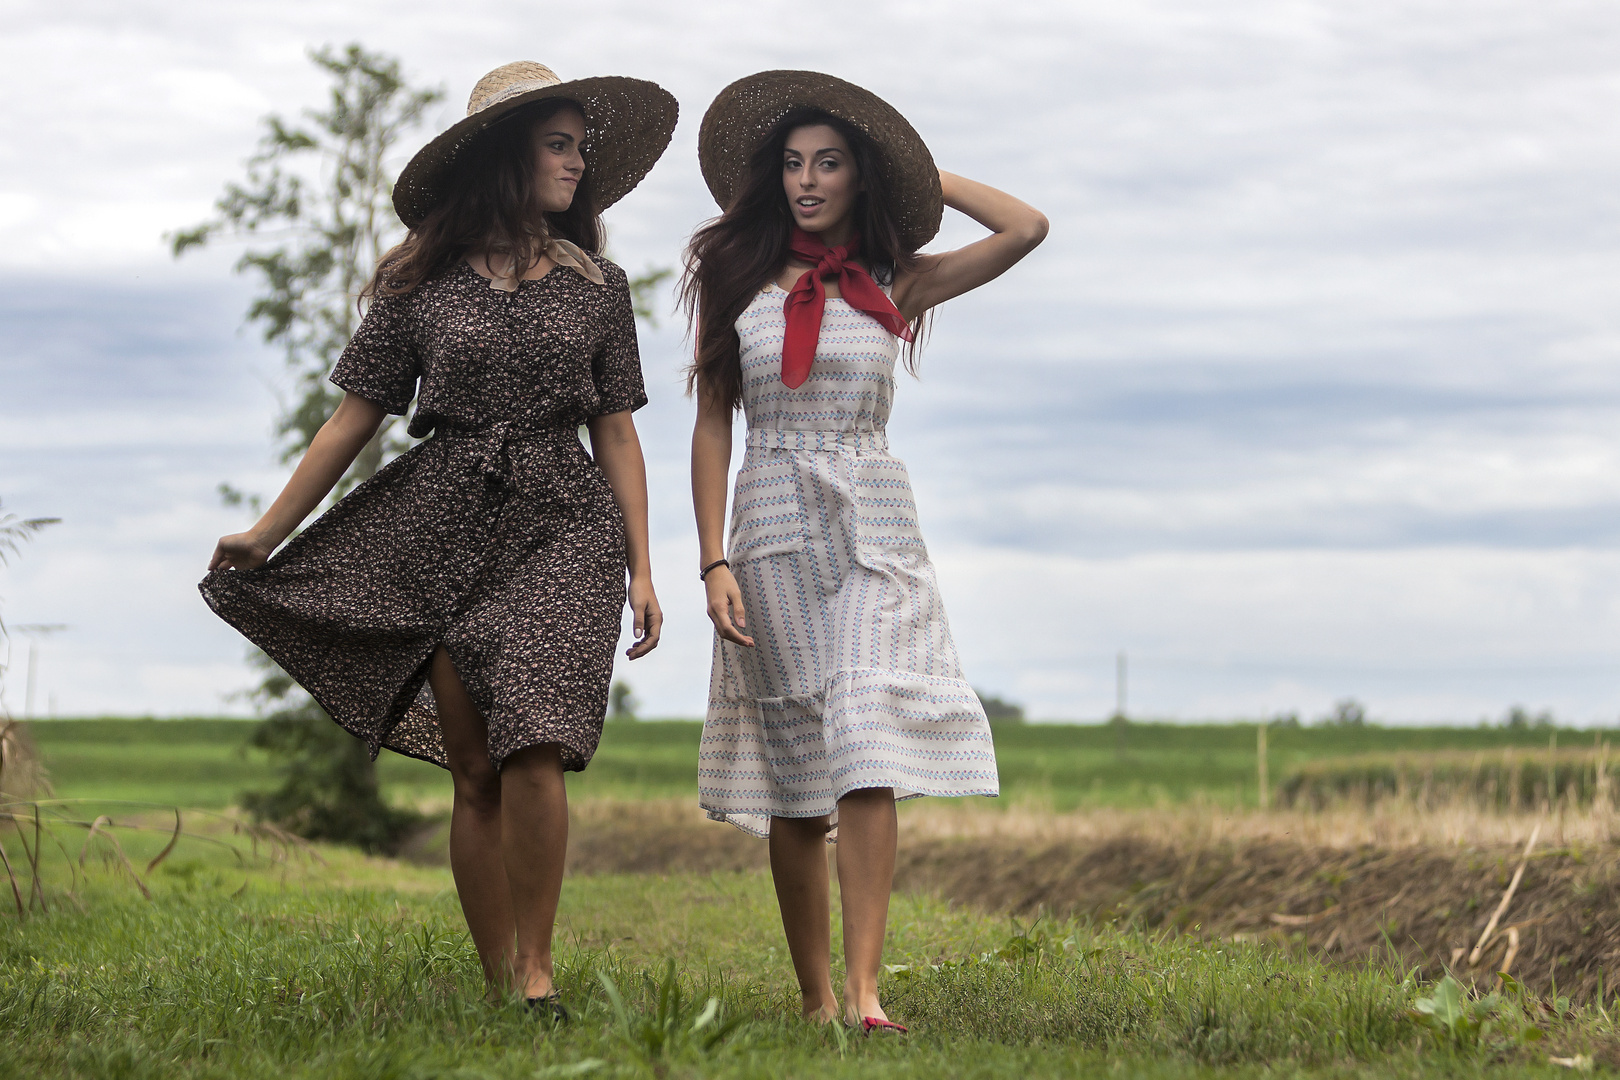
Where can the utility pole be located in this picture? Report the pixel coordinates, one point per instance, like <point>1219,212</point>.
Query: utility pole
<point>1119,684</point>
<point>34,631</point>
<point>33,676</point>
<point>1261,756</point>
<point>1120,723</point>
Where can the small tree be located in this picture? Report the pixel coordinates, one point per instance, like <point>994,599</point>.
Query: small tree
<point>1520,718</point>
<point>1348,713</point>
<point>622,703</point>
<point>321,190</point>
<point>324,189</point>
<point>1000,710</point>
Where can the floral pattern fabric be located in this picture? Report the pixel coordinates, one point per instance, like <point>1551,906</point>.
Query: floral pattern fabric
<point>498,538</point>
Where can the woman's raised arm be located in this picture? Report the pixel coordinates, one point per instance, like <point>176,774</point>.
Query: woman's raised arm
<point>1016,229</point>
<point>329,456</point>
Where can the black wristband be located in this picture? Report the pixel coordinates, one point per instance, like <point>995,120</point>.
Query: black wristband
<point>703,573</point>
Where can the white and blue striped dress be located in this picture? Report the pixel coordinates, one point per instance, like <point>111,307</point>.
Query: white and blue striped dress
<point>853,681</point>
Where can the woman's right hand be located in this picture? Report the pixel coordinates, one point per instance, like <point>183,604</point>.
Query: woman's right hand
<point>240,551</point>
<point>726,606</point>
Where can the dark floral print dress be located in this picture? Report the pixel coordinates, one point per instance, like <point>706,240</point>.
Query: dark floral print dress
<point>498,538</point>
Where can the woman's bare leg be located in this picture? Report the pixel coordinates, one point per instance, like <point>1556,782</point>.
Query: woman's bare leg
<point>799,869</point>
<point>534,843</point>
<point>475,825</point>
<point>867,835</point>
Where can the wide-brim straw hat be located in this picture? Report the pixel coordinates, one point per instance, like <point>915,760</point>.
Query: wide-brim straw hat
<point>628,123</point>
<point>744,112</point>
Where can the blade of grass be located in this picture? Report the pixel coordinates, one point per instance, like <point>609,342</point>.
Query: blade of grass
<point>67,858</point>
<point>15,891</point>
<point>139,884</point>
<point>33,862</point>
<point>173,840</point>
<point>1507,898</point>
<point>95,827</point>
<point>706,1017</point>
<point>614,999</point>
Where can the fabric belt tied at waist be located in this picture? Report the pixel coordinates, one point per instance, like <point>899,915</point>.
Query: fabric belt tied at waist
<point>857,441</point>
<point>489,443</point>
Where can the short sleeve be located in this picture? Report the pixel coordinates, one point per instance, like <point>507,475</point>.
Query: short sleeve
<point>616,367</point>
<point>381,362</point>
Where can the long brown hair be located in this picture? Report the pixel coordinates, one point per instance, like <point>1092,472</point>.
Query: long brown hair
<point>489,205</point>
<point>733,256</point>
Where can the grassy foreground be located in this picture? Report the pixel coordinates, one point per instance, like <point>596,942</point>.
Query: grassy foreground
<point>358,967</point>
<point>205,763</point>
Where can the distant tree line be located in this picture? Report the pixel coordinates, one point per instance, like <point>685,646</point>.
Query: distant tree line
<point>999,709</point>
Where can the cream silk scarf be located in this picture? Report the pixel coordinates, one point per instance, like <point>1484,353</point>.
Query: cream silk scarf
<point>563,253</point>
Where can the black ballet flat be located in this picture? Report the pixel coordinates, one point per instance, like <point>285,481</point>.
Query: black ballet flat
<point>549,1007</point>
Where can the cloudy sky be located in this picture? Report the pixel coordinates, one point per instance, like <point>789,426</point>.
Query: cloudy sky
<point>1312,393</point>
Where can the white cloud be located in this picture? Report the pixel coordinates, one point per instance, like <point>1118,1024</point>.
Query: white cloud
<point>1453,633</point>
<point>1311,391</point>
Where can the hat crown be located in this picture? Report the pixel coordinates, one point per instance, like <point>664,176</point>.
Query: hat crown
<point>509,80</point>
<point>743,113</point>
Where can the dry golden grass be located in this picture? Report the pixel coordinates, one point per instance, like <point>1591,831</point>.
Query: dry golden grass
<point>1392,824</point>
<point>22,773</point>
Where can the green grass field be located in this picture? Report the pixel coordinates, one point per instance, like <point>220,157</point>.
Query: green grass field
<point>205,763</point>
<point>346,966</point>
<point>361,968</point>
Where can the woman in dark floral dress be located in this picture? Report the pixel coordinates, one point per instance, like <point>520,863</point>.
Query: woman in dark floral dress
<point>462,605</point>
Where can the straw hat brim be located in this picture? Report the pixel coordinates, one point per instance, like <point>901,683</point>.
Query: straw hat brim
<point>628,124</point>
<point>741,115</point>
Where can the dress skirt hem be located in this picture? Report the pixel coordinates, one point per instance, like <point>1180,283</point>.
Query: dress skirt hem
<point>795,757</point>
<point>215,590</point>
<point>227,594</point>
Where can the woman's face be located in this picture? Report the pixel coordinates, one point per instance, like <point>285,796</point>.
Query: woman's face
<point>819,176</point>
<point>558,161</point>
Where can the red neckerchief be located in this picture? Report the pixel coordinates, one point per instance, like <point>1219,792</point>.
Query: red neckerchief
<point>808,299</point>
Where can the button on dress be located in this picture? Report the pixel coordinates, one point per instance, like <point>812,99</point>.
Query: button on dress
<point>498,537</point>
<point>853,681</point>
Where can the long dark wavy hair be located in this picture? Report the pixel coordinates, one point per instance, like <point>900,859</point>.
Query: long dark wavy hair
<point>489,205</point>
<point>733,256</point>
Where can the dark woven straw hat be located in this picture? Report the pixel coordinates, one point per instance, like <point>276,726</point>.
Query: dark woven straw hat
<point>742,114</point>
<point>628,123</point>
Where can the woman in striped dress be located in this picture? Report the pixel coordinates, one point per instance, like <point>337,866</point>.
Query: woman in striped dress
<point>835,686</point>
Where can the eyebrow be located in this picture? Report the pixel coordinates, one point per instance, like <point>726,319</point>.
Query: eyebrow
<point>554,134</point>
<point>813,153</point>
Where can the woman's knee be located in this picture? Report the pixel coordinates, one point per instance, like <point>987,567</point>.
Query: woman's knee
<point>801,829</point>
<point>534,766</point>
<point>875,797</point>
<point>477,786</point>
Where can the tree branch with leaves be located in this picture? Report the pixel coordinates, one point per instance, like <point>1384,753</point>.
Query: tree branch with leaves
<point>321,191</point>
<point>316,212</point>
<point>14,531</point>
